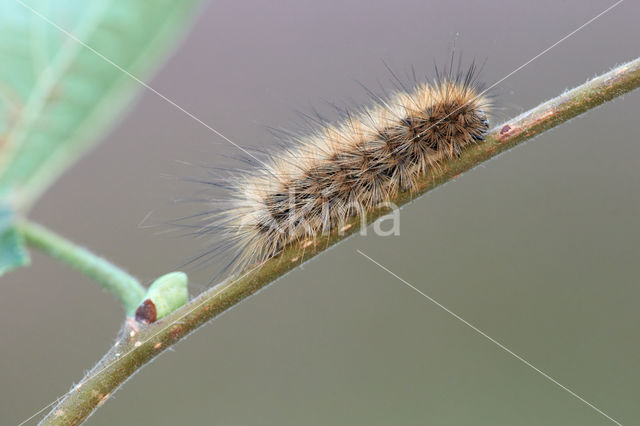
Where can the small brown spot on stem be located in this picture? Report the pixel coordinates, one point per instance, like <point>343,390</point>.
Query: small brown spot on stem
<point>505,129</point>
<point>176,332</point>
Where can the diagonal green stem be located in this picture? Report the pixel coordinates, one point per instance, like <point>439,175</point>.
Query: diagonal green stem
<point>115,280</point>
<point>139,344</point>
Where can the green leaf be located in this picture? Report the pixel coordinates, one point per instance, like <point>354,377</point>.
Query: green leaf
<point>57,96</point>
<point>12,252</point>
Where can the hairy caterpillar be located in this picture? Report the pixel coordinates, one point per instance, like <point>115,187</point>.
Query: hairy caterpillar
<point>341,170</point>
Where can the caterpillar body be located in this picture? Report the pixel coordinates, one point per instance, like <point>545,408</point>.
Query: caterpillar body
<point>340,170</point>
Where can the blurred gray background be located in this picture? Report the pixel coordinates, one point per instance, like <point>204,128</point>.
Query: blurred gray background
<point>538,248</point>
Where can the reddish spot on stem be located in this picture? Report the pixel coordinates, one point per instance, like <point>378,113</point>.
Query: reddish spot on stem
<point>505,129</point>
<point>146,312</point>
<point>176,332</point>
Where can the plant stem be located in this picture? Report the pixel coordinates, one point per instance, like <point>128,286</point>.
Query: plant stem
<point>139,344</point>
<point>118,282</point>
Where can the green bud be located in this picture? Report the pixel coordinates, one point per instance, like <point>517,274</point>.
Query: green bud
<point>164,296</point>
